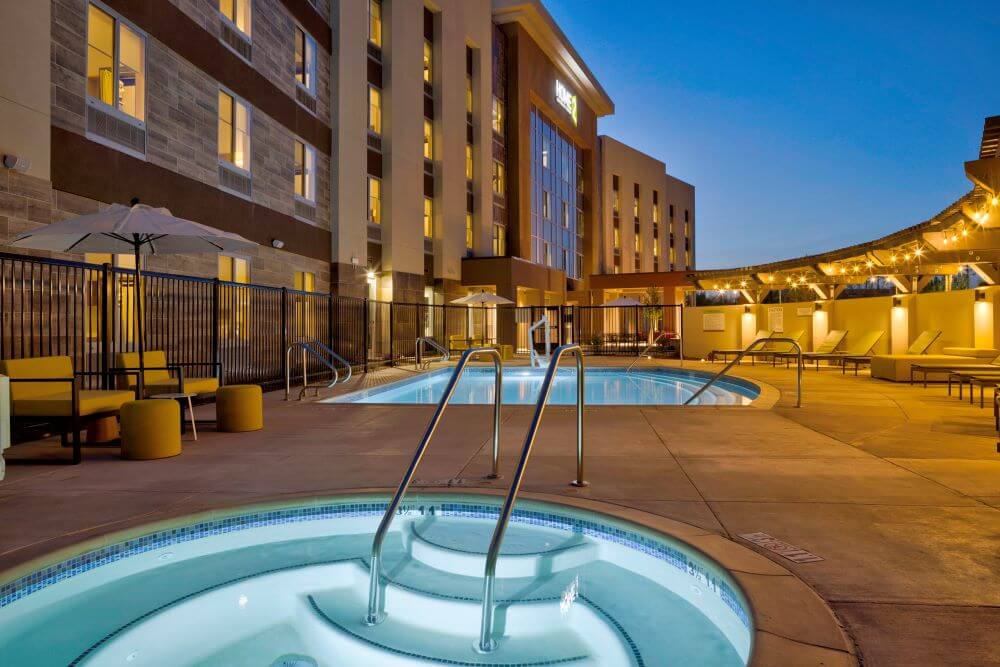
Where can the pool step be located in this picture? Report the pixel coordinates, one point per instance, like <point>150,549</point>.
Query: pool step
<point>526,552</point>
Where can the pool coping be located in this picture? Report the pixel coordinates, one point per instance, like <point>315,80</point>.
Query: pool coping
<point>792,623</point>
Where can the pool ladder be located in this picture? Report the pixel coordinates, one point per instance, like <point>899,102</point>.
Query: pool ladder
<point>317,350</point>
<point>486,642</point>
<point>418,356</point>
<point>743,353</point>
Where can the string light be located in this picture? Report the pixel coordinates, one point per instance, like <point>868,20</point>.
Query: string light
<point>965,232</point>
<point>918,252</point>
<point>743,284</point>
<point>996,201</point>
<point>869,264</point>
<point>946,240</point>
<point>892,258</point>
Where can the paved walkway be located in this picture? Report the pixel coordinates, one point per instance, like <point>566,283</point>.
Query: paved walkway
<point>896,488</point>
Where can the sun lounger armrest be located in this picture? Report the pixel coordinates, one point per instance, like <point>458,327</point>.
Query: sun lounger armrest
<point>216,366</point>
<point>134,370</point>
<point>73,382</point>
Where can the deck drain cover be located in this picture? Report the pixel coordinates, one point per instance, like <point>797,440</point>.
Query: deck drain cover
<point>294,661</point>
<point>784,549</point>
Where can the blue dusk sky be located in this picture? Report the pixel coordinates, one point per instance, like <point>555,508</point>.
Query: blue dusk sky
<point>804,126</point>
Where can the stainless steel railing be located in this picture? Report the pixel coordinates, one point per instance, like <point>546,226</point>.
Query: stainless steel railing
<point>427,340</point>
<point>532,355</point>
<point>375,612</point>
<point>486,641</point>
<point>645,350</point>
<point>306,350</point>
<point>743,353</point>
<point>335,357</point>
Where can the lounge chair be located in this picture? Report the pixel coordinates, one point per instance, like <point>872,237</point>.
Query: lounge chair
<point>982,378</point>
<point>828,346</point>
<point>860,349</point>
<point>726,353</point>
<point>896,367</point>
<point>157,378</point>
<point>48,388</point>
<point>961,363</point>
<point>459,343</point>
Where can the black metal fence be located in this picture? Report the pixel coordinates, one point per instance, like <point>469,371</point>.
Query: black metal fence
<point>87,311</point>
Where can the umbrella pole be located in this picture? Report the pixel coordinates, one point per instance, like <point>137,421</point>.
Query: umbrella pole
<point>138,316</point>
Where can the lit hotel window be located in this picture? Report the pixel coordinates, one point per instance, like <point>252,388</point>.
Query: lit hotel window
<point>616,197</point>
<point>468,94</point>
<point>375,22</point>
<point>638,243</point>
<point>545,153</point>
<point>468,231</point>
<point>656,247</point>
<point>428,58</point>
<point>428,139</point>
<point>234,269</point>
<point>635,202</point>
<point>374,200</point>
<point>428,217</point>
<point>498,115</point>
<point>565,214</point>
<point>548,253</point>
<point>656,207</point>
<point>468,162</point>
<point>618,238</point>
<point>238,13</point>
<point>499,240</point>
<point>499,179</point>
<point>305,281</point>
<point>374,110</point>
<point>546,202</point>
<point>305,171</point>
<point>305,60</point>
<point>234,305</point>
<point>234,131</point>
<point>119,84</point>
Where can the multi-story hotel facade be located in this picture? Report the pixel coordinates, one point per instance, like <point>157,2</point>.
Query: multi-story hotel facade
<point>400,150</point>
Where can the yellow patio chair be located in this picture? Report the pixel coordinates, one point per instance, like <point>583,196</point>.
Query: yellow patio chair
<point>157,378</point>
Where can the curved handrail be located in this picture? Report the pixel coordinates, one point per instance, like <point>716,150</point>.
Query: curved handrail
<point>798,368</point>
<point>644,351</point>
<point>486,642</point>
<point>335,357</point>
<point>427,340</point>
<point>532,355</point>
<point>305,377</point>
<point>375,614</point>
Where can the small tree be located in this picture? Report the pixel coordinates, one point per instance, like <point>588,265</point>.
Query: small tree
<point>653,309</point>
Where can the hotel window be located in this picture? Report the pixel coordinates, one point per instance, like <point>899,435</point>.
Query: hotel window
<point>428,61</point>
<point>305,60</point>
<point>234,305</point>
<point>545,153</point>
<point>656,207</point>
<point>546,204</point>
<point>234,131</point>
<point>499,240</point>
<point>374,109</point>
<point>237,12</point>
<point>498,115</point>
<point>635,201</point>
<point>638,243</point>
<point>618,238</point>
<point>428,139</point>
<point>305,171</point>
<point>671,211</point>
<point>468,94</point>
<point>686,219</point>
<point>305,281</point>
<point>566,266</point>
<point>116,64</point>
<point>468,231</point>
<point>234,269</point>
<point>499,179</point>
<point>468,162</point>
<point>428,217</point>
<point>305,316</point>
<point>547,248</point>
<point>656,247</point>
<point>565,213</point>
<point>374,200</point>
<point>616,196</point>
<point>375,22</point>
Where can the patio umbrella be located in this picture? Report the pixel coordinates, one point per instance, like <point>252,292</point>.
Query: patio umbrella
<point>137,229</point>
<point>623,301</point>
<point>482,298</point>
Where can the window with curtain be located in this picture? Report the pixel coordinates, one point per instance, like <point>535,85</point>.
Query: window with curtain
<point>499,240</point>
<point>468,94</point>
<point>499,178</point>
<point>305,316</point>
<point>468,162</point>
<point>428,139</point>
<point>468,231</point>
<point>374,200</point>
<point>237,12</point>
<point>375,22</point>
<point>234,301</point>
<point>116,63</point>
<point>305,171</point>
<point>428,217</point>
<point>428,61</point>
<point>374,109</point>
<point>305,60</point>
<point>498,115</point>
<point>234,131</point>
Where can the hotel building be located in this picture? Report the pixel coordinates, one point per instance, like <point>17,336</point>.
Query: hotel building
<point>395,149</point>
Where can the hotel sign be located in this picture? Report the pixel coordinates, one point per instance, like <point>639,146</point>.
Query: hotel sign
<point>566,100</point>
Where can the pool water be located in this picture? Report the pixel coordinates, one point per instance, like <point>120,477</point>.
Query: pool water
<point>603,386</point>
<point>288,586</point>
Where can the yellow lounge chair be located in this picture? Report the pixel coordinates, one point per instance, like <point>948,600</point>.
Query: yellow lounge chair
<point>726,353</point>
<point>47,387</point>
<point>896,367</point>
<point>828,346</point>
<point>157,378</point>
<point>857,351</point>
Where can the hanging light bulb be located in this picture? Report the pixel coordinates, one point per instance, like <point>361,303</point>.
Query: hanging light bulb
<point>892,258</point>
<point>954,238</point>
<point>965,232</point>
<point>869,264</point>
<point>996,201</point>
<point>918,252</point>
<point>743,284</point>
<point>855,268</point>
<point>946,240</point>
<point>907,257</point>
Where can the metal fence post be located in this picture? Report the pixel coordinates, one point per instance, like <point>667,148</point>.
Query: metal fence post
<point>284,332</point>
<point>216,336</point>
<point>105,311</point>
<point>392,335</point>
<point>366,323</point>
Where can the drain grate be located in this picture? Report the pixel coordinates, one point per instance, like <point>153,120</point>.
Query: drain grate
<point>783,549</point>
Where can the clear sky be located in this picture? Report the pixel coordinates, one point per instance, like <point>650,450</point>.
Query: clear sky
<point>804,126</point>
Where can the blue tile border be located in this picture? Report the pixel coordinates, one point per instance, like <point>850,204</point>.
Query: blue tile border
<point>33,582</point>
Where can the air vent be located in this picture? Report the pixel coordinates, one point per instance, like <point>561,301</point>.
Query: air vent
<point>131,135</point>
<point>235,40</point>
<point>304,209</point>
<point>234,181</point>
<point>305,98</point>
<point>374,233</point>
<point>375,141</point>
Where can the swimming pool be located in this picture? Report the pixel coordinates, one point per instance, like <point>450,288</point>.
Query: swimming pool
<point>603,386</point>
<point>288,585</point>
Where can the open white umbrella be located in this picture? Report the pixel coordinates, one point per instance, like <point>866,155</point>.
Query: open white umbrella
<point>623,301</point>
<point>481,298</point>
<point>137,229</point>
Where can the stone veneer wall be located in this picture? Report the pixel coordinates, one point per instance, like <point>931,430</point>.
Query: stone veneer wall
<point>182,102</point>
<point>27,202</point>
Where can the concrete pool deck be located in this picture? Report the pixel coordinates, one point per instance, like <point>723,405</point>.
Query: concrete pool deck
<point>896,488</point>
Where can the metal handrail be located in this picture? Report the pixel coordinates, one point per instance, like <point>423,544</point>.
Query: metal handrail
<point>644,351</point>
<point>375,614</point>
<point>798,368</point>
<point>427,340</point>
<point>335,357</point>
<point>306,347</point>
<point>486,642</point>
<point>532,355</point>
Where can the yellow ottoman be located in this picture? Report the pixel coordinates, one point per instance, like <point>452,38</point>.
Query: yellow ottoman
<point>150,429</point>
<point>506,352</point>
<point>239,407</point>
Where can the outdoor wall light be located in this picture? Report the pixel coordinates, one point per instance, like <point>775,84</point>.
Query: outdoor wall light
<point>277,243</point>
<point>897,302</point>
<point>370,276</point>
<point>980,295</point>
<point>747,309</point>
<point>818,305</point>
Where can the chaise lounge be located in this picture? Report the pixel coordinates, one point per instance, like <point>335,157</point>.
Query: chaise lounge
<point>157,378</point>
<point>896,367</point>
<point>726,353</point>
